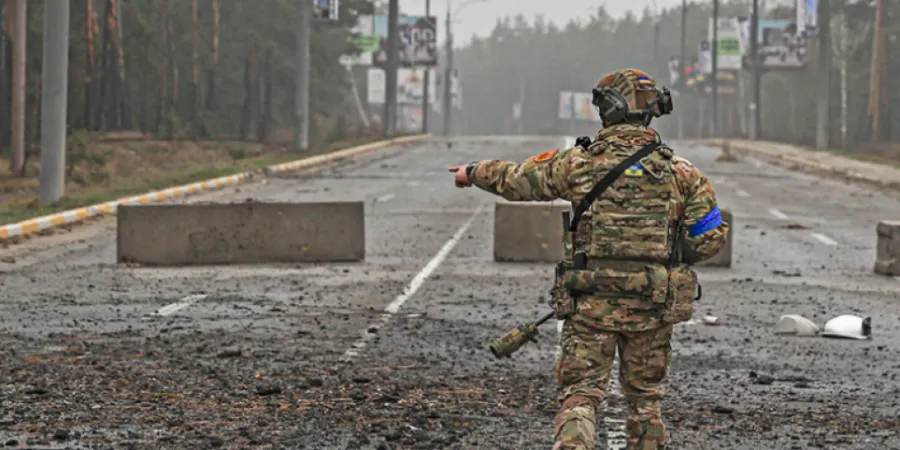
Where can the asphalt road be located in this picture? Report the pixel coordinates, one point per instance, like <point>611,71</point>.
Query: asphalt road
<point>391,353</point>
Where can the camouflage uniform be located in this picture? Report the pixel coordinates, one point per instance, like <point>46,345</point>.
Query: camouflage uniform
<point>627,237</point>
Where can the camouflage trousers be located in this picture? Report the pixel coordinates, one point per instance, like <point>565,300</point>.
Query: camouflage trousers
<point>583,372</point>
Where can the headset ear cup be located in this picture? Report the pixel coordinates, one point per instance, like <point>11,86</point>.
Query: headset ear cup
<point>597,97</point>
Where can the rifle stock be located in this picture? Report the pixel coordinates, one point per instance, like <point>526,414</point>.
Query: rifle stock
<point>512,341</point>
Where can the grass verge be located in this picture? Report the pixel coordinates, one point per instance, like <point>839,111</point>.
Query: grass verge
<point>131,168</point>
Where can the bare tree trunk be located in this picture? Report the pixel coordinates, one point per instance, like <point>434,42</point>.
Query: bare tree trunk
<point>17,162</point>
<point>163,111</point>
<point>211,72</point>
<point>102,110</point>
<point>247,111</point>
<point>91,25</point>
<point>195,72</point>
<point>265,78</point>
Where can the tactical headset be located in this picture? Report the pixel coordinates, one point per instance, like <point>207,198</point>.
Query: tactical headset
<point>613,108</point>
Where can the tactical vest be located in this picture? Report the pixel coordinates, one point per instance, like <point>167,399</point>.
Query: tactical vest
<point>630,224</point>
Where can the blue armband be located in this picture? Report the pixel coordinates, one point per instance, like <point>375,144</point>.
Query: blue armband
<point>709,222</point>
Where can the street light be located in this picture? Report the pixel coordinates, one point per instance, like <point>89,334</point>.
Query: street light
<point>449,70</point>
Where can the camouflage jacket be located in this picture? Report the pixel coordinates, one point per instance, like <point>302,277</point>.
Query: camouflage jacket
<point>559,174</point>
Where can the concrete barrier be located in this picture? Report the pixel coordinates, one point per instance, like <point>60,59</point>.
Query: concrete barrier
<point>528,232</point>
<point>887,257</point>
<point>723,258</point>
<point>240,233</point>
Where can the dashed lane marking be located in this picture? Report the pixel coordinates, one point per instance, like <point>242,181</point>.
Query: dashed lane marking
<point>824,239</point>
<point>410,290</point>
<point>778,214</point>
<point>385,197</point>
<point>168,310</point>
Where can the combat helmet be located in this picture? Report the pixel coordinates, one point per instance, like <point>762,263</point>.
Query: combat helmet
<point>616,98</point>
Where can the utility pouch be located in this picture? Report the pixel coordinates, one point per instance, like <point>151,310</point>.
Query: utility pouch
<point>562,301</point>
<point>651,284</point>
<point>683,286</point>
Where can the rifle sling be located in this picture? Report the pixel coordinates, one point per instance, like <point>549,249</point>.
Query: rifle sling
<point>607,180</point>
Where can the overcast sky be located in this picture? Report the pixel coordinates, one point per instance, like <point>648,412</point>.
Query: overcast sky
<point>480,16</point>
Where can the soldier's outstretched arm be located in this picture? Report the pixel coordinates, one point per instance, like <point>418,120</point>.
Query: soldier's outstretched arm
<point>541,177</point>
<point>705,229</point>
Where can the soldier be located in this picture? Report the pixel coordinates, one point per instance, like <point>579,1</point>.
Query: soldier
<point>638,241</point>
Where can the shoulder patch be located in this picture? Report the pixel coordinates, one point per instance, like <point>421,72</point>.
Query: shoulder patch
<point>546,156</point>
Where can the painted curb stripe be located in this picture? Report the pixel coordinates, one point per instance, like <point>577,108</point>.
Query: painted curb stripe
<point>79,214</point>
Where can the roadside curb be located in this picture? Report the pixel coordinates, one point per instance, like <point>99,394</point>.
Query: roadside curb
<point>76,215</point>
<point>772,156</point>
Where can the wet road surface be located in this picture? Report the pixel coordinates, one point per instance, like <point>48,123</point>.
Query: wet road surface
<point>391,353</point>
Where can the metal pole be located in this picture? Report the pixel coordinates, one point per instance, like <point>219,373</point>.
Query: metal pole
<point>301,97</point>
<point>390,91</point>
<point>18,89</point>
<point>681,63</point>
<point>755,116</point>
<point>824,37</point>
<point>426,78</point>
<point>715,70</point>
<point>53,101</point>
<point>521,104</point>
<point>447,71</point>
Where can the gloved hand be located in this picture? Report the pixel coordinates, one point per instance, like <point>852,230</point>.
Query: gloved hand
<point>583,142</point>
<point>462,176</point>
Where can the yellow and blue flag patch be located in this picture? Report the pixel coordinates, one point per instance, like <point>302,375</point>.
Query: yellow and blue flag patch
<point>634,171</point>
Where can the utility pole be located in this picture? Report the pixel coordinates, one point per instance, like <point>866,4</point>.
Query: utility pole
<point>448,102</point>
<point>390,90</point>
<point>681,63</point>
<point>715,70</point>
<point>17,165</point>
<point>53,102</point>
<point>426,78</point>
<point>755,116</point>
<point>521,103</point>
<point>823,34</point>
<point>301,97</point>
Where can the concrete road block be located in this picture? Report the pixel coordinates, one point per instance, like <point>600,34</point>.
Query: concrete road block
<point>723,258</point>
<point>887,257</point>
<point>241,233</point>
<point>528,232</point>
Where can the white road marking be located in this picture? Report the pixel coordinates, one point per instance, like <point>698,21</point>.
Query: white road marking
<point>410,290</point>
<point>385,197</point>
<point>184,303</point>
<point>778,214</point>
<point>824,239</point>
<point>559,328</point>
<point>742,193</point>
<point>412,183</point>
<point>616,437</point>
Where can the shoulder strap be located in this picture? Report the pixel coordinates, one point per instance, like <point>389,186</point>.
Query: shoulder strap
<point>607,180</point>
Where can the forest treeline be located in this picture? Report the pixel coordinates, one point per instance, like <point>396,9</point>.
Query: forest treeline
<point>186,68</point>
<point>549,59</point>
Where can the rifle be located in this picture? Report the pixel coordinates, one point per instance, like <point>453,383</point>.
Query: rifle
<point>507,344</point>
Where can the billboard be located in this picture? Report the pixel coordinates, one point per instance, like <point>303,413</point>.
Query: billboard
<point>577,106</point>
<point>410,86</point>
<point>728,50</point>
<point>325,9</point>
<point>417,40</point>
<point>363,38</point>
<point>781,46</point>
